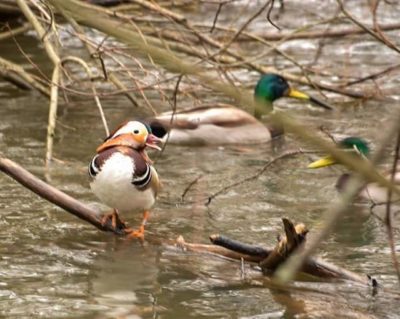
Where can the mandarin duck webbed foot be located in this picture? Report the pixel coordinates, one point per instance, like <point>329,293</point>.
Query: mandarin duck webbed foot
<point>131,234</point>
<point>116,222</point>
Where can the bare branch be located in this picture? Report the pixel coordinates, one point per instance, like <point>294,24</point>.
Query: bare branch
<point>389,214</point>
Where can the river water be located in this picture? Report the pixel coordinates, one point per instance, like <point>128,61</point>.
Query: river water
<point>53,265</point>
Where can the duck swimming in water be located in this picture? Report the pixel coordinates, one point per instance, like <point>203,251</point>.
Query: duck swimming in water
<point>358,146</point>
<point>219,124</point>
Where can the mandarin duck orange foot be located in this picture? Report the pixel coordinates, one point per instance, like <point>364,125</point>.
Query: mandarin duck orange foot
<point>122,174</point>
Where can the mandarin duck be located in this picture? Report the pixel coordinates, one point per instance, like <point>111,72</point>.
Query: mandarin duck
<point>122,175</point>
<point>219,124</point>
<point>358,146</point>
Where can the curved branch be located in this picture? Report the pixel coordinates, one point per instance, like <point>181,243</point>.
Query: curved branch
<point>55,196</point>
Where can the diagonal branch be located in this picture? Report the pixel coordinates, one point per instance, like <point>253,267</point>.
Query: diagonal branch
<point>54,195</point>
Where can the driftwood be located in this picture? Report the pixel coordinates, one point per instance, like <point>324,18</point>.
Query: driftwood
<point>267,259</point>
<point>270,259</point>
<point>294,237</point>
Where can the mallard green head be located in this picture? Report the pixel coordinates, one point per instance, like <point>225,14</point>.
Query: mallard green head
<point>271,87</point>
<point>355,145</point>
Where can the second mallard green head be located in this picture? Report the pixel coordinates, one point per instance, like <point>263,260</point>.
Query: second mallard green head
<point>271,87</point>
<point>352,144</point>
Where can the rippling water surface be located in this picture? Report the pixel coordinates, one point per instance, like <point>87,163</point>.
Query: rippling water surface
<point>53,265</point>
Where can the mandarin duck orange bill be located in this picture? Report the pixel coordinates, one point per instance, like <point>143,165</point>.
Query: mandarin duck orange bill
<point>122,174</point>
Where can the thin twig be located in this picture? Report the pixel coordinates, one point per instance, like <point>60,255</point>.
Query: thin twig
<point>191,184</point>
<point>297,35</point>
<point>385,39</point>
<point>368,30</point>
<point>269,15</point>
<point>389,214</point>
<point>241,29</point>
<point>52,114</point>
<point>180,19</point>
<point>51,52</point>
<point>95,95</point>
<point>216,16</point>
<point>287,154</point>
<point>373,76</point>
<point>93,53</point>
<point>174,108</point>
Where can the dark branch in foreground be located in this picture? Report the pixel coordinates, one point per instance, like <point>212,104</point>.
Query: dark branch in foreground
<point>240,247</point>
<point>268,259</point>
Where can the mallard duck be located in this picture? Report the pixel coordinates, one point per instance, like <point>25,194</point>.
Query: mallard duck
<point>122,174</point>
<point>359,147</point>
<point>218,124</point>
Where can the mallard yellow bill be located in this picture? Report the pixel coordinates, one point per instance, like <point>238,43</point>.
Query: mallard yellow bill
<point>218,124</point>
<point>359,147</point>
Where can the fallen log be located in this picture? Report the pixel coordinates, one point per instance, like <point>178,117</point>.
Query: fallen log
<point>268,259</point>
